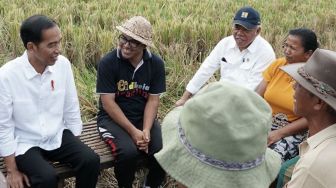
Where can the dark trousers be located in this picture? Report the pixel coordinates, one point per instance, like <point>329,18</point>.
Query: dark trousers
<point>127,154</point>
<point>34,163</point>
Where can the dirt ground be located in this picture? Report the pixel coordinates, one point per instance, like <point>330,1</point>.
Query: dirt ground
<point>107,180</point>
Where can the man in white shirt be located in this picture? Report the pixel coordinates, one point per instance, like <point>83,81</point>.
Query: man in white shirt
<point>241,57</point>
<point>315,100</point>
<point>39,112</point>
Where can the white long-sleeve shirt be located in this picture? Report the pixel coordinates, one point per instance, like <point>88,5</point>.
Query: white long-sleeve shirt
<point>36,108</point>
<point>243,68</point>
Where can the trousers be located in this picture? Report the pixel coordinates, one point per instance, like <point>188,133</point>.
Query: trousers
<point>86,163</point>
<point>127,154</point>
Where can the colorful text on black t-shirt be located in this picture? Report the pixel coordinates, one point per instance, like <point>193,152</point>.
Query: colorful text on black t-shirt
<point>131,89</point>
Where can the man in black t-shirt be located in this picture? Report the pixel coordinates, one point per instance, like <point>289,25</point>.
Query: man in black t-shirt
<point>130,80</point>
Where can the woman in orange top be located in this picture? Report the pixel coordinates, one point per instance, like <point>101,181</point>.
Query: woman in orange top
<point>287,130</point>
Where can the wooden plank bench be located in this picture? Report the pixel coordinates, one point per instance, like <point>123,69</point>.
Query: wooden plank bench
<point>90,137</point>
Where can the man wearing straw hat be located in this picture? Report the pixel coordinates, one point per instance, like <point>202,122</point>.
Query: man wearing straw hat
<point>315,99</point>
<point>241,57</point>
<point>130,80</point>
<point>209,144</point>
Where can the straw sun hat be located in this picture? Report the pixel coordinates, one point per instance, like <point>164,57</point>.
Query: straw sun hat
<point>218,139</point>
<point>139,28</point>
<point>317,75</point>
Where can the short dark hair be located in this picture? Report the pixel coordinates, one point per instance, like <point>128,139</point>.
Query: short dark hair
<point>31,28</point>
<point>308,38</point>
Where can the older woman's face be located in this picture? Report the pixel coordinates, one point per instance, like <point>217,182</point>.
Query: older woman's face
<point>294,50</point>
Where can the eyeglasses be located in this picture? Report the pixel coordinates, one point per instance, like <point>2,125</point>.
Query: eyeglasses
<point>131,42</point>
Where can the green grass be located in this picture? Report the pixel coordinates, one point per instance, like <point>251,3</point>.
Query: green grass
<point>184,32</point>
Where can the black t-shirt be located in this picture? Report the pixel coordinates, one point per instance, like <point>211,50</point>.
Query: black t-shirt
<point>130,85</point>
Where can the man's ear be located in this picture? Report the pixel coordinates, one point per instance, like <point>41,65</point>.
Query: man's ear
<point>308,54</point>
<point>258,30</point>
<point>319,104</point>
<point>30,46</point>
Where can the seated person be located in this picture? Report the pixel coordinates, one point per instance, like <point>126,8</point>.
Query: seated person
<point>241,57</point>
<point>221,142</point>
<point>39,112</point>
<point>130,80</point>
<point>315,99</point>
<point>288,129</point>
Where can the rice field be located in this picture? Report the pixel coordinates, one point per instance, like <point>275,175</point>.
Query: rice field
<point>185,31</point>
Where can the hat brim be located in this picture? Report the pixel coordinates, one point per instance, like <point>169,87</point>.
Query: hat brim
<point>135,37</point>
<point>188,170</point>
<point>246,25</point>
<point>292,71</point>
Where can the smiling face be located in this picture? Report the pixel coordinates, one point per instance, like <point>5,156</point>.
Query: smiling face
<point>46,52</point>
<point>294,50</point>
<point>131,49</point>
<point>243,36</point>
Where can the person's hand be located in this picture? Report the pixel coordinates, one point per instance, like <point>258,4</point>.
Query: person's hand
<point>146,135</point>
<point>143,144</point>
<point>137,136</point>
<point>186,95</point>
<point>138,139</point>
<point>274,136</point>
<point>146,138</point>
<point>180,102</point>
<point>17,179</point>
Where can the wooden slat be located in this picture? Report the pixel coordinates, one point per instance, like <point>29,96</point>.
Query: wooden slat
<point>90,137</point>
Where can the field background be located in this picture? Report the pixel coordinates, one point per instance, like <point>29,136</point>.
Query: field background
<point>185,31</point>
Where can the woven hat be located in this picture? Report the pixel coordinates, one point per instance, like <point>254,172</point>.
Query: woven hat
<point>139,29</point>
<point>247,17</point>
<point>317,75</point>
<point>218,139</point>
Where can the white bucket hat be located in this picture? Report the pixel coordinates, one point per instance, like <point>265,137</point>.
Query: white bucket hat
<point>219,139</point>
<point>139,28</point>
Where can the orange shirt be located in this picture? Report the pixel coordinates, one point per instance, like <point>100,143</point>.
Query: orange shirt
<point>279,91</point>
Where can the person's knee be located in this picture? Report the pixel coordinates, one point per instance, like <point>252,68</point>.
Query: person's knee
<point>156,139</point>
<point>91,160</point>
<point>48,178</point>
<point>128,154</point>
<point>155,145</point>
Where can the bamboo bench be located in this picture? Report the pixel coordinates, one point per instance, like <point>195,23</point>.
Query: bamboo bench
<point>90,137</point>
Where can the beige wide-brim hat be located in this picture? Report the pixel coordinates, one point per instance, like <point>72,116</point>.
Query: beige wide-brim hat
<point>139,28</point>
<point>317,75</point>
<point>228,126</point>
